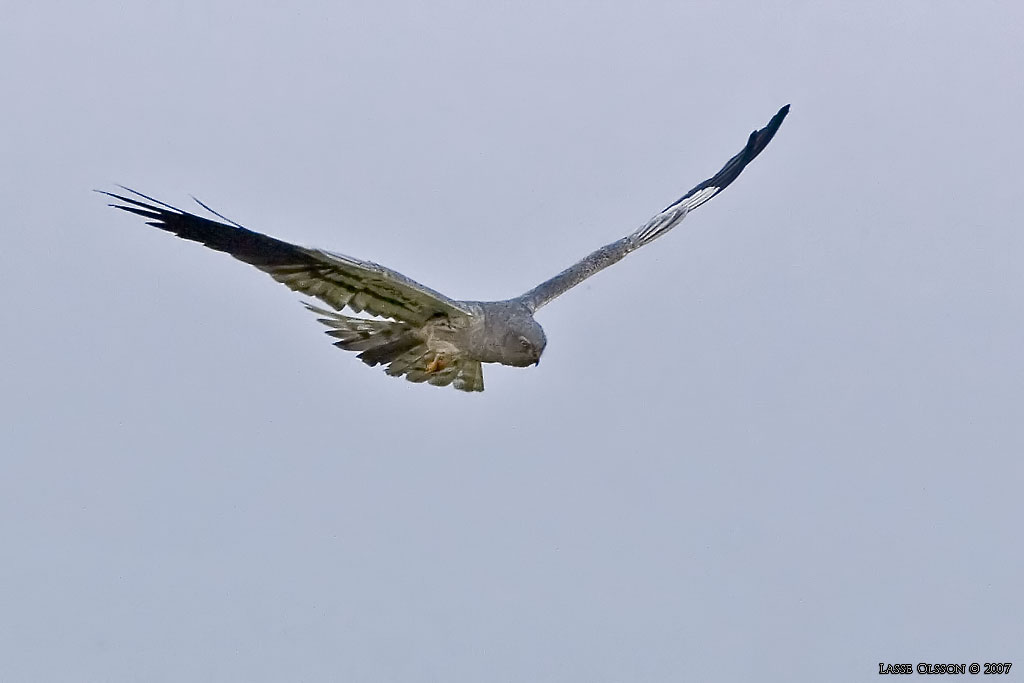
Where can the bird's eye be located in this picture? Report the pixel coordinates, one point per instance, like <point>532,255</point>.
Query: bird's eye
<point>525,343</point>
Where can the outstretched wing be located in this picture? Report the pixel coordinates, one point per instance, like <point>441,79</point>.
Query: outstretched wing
<point>338,280</point>
<point>659,224</point>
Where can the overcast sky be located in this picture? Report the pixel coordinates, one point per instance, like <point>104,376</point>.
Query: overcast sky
<point>782,443</point>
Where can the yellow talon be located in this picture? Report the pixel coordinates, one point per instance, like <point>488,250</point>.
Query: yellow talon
<point>439,363</point>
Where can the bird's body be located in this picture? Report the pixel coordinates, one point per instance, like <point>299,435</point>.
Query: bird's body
<point>445,349</point>
<point>417,332</point>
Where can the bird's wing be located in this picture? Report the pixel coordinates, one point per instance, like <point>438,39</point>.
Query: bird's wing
<point>338,280</point>
<point>659,224</point>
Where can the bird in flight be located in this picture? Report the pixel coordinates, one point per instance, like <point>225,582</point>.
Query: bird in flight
<point>416,332</point>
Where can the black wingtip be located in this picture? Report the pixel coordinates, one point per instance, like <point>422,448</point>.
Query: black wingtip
<point>759,139</point>
<point>756,143</point>
<point>773,125</point>
<point>775,122</point>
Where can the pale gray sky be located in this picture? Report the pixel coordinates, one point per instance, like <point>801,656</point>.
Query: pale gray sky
<point>807,463</point>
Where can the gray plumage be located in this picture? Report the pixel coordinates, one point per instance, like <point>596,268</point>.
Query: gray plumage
<point>419,333</point>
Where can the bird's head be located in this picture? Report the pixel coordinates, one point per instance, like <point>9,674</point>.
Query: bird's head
<point>524,342</point>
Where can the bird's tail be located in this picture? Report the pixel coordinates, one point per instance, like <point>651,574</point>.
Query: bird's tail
<point>379,341</point>
<point>396,345</point>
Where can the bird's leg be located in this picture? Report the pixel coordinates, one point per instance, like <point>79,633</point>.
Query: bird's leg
<point>440,362</point>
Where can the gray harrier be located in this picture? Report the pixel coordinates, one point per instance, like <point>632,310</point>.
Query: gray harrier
<point>416,331</point>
